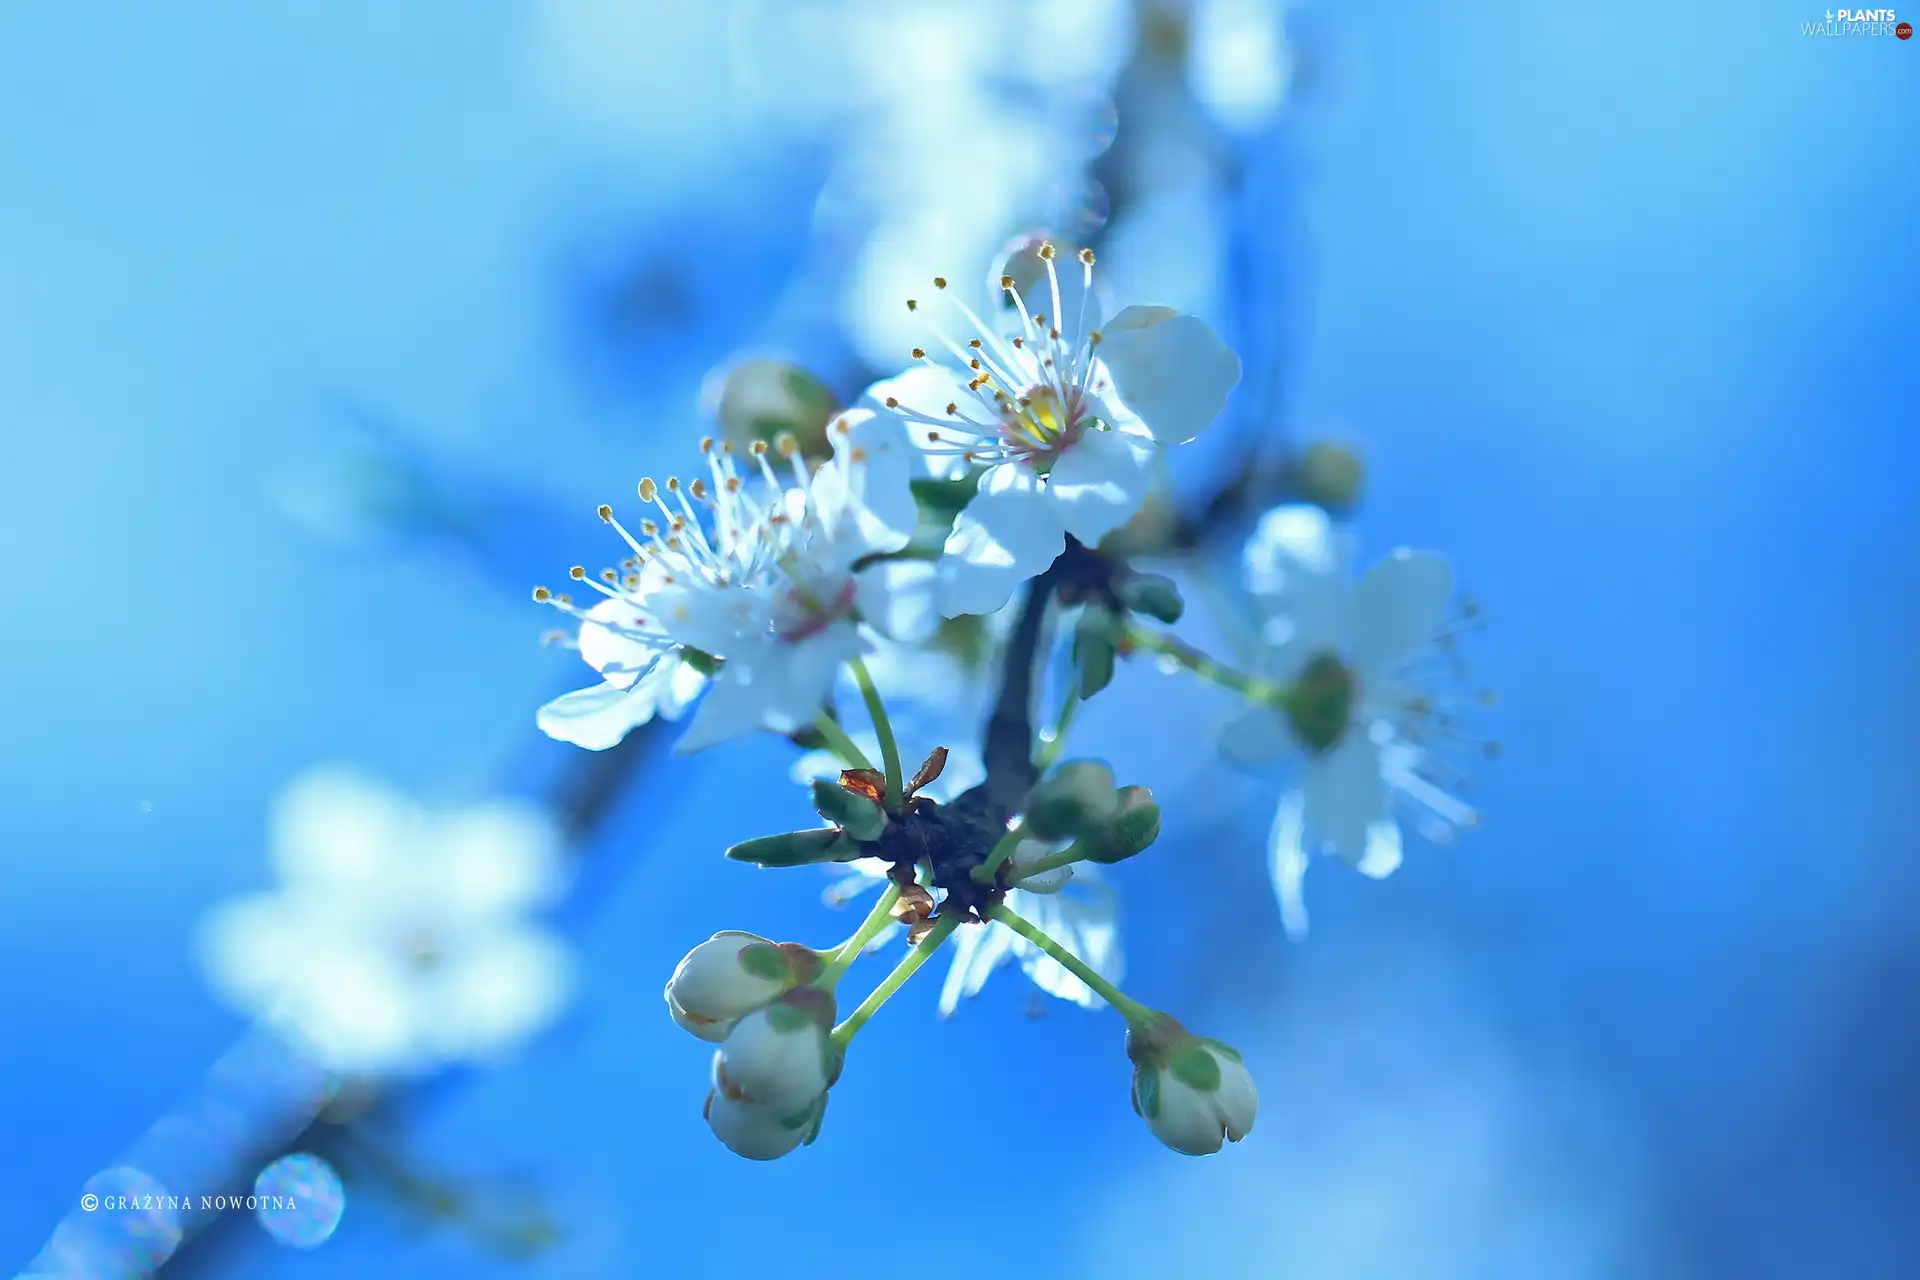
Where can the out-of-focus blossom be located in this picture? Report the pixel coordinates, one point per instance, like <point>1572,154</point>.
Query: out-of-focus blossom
<point>768,577</point>
<point>1359,710</point>
<point>1063,412</point>
<point>1238,61</point>
<point>399,938</point>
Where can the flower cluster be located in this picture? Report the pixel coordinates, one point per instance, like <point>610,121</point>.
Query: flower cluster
<point>942,526</point>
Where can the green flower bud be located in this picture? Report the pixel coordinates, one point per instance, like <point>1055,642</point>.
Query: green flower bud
<point>1096,638</point>
<point>730,975</point>
<point>780,1058</point>
<point>852,812</point>
<point>761,399</point>
<point>1076,797</point>
<point>1330,476</point>
<point>796,848</point>
<point>1321,702</point>
<point>1153,595</point>
<point>1132,829</point>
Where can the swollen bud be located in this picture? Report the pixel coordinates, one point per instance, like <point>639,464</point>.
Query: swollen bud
<point>1193,1093</point>
<point>762,399</point>
<point>851,811</point>
<point>796,848</point>
<point>1096,638</point>
<point>760,1134</point>
<point>1132,829</point>
<point>780,1058</point>
<point>1076,797</point>
<point>1330,476</point>
<point>732,974</point>
<point>1153,595</point>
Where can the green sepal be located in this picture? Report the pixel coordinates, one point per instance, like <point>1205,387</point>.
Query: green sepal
<point>1153,595</point>
<point>1096,640</point>
<point>1131,831</point>
<point>764,960</point>
<point>1146,1092</point>
<point>700,660</point>
<point>1064,802</point>
<point>1222,1048</point>
<point>1197,1068</point>
<point>796,848</point>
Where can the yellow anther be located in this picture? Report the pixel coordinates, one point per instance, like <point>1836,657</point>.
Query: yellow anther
<point>939,282</point>
<point>706,444</point>
<point>1046,250</point>
<point>609,577</point>
<point>542,594</point>
<point>606,512</point>
<point>698,489</point>
<point>974,363</point>
<point>975,344</point>
<point>1019,342</point>
<point>892,403</point>
<point>787,445</point>
<point>952,408</point>
<point>733,484</point>
<point>919,353</point>
<point>648,489</point>
<point>844,427</point>
<point>673,484</point>
<point>577,573</point>
<point>564,598</point>
<point>633,582</point>
<point>912,305</point>
<point>1094,337</point>
<point>758,448</point>
<point>1086,257</point>
<point>1054,334</point>
<point>649,528</point>
<point>933,435</point>
<point>1006,282</point>
<point>858,454</point>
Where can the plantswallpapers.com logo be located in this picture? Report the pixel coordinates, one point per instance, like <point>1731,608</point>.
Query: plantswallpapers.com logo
<point>1859,22</point>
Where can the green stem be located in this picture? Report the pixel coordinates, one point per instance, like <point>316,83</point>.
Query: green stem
<point>1050,746</point>
<point>986,871</point>
<point>1071,853</point>
<point>1250,687</point>
<point>840,743</point>
<point>850,950</point>
<point>846,1031</point>
<point>883,729</point>
<point>1132,1010</point>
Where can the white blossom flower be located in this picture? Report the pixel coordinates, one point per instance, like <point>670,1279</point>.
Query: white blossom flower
<point>770,577</point>
<point>1361,712</point>
<point>1065,414</point>
<point>399,937</point>
<point>1195,1096</point>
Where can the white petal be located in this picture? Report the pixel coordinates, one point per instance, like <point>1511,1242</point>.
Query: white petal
<point>1009,533</point>
<point>1254,735</point>
<point>596,718</point>
<point>495,858</point>
<point>1345,795</point>
<point>1170,369</point>
<point>1287,863</point>
<point>865,495</point>
<point>609,645</point>
<point>1397,608</point>
<point>927,390</point>
<point>336,828</point>
<point>1382,856</point>
<point>776,685</point>
<point>896,598</point>
<point>1293,539</point>
<point>250,947</point>
<point>497,993</point>
<point>1099,483</point>
<point>978,949</point>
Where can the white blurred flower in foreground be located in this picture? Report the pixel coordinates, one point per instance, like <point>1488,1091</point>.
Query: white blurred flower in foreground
<point>765,573</point>
<point>1064,414</point>
<point>1361,711</point>
<point>398,939</point>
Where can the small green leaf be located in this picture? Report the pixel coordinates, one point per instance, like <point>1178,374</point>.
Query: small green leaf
<point>796,848</point>
<point>1153,595</point>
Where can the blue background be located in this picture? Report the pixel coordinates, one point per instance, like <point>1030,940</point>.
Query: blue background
<point>1620,303</point>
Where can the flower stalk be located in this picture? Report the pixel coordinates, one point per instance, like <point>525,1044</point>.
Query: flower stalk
<point>1132,1010</point>
<point>882,729</point>
<point>909,964</point>
<point>840,744</point>
<point>841,958</point>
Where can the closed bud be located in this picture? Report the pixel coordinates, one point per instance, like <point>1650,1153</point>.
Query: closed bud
<point>732,974</point>
<point>1133,829</point>
<point>796,848</point>
<point>851,811</point>
<point>1153,595</point>
<point>1077,796</point>
<point>779,1058</point>
<point>762,399</point>
<point>760,1134</point>
<point>1096,637</point>
<point>1193,1093</point>
<point>1330,476</point>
